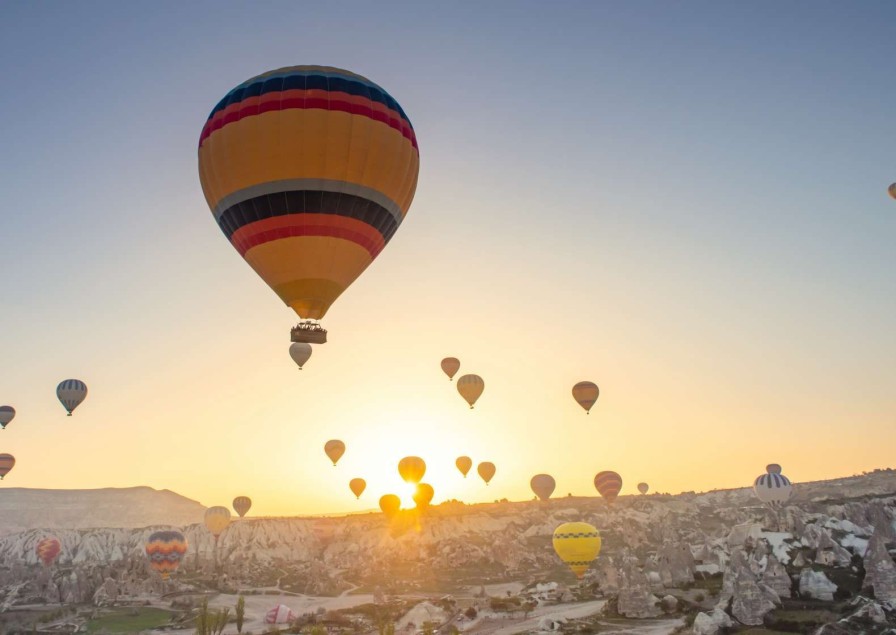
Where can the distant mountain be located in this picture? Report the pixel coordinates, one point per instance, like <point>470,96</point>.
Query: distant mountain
<point>128,507</point>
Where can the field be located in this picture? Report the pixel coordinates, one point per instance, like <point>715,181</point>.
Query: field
<point>125,621</point>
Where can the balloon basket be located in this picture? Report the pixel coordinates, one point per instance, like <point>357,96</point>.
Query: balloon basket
<point>308,333</point>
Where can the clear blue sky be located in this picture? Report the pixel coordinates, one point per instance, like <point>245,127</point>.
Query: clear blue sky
<point>692,195</point>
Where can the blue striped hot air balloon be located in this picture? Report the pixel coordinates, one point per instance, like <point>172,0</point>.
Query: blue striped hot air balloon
<point>71,392</point>
<point>773,489</point>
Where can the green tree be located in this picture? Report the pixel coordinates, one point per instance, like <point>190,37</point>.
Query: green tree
<point>240,613</point>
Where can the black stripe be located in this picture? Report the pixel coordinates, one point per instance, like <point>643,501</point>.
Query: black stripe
<point>308,202</point>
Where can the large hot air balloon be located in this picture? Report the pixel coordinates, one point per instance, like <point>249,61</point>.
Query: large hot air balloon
<point>423,495</point>
<point>608,485</point>
<point>47,550</point>
<point>216,520</point>
<point>470,388</point>
<point>543,485</point>
<point>300,353</point>
<point>643,487</point>
<point>357,486</point>
<point>390,504</point>
<point>773,489</point>
<point>334,449</point>
<point>892,190</point>
<point>166,549</point>
<point>280,614</point>
<point>241,505</point>
<point>450,366</point>
<point>7,461</point>
<point>71,393</point>
<point>7,414</point>
<point>411,469</point>
<point>308,171</point>
<point>586,393</point>
<point>486,471</point>
<point>577,544</point>
<point>464,463</point>
<point>773,468</point>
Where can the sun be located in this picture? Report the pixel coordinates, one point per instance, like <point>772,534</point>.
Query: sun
<point>406,494</point>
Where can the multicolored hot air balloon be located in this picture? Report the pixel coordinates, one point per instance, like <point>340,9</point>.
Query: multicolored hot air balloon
<point>608,485</point>
<point>586,393</point>
<point>773,489</point>
<point>470,388</point>
<point>486,471</point>
<point>216,520</point>
<point>577,544</point>
<point>773,468</point>
<point>390,504</point>
<point>411,469</point>
<point>166,549</point>
<point>543,485</point>
<point>71,392</point>
<point>357,486</point>
<point>241,505</point>
<point>47,550</point>
<point>643,487</point>
<point>464,463</point>
<point>450,366</point>
<point>423,495</point>
<point>7,462</point>
<point>300,353</point>
<point>308,171</point>
<point>7,414</point>
<point>334,449</point>
<point>280,614</point>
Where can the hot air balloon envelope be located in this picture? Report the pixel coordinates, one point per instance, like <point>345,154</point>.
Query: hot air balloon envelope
<point>773,489</point>
<point>608,485</point>
<point>241,505</point>
<point>165,550</point>
<point>300,353</point>
<point>216,520</point>
<point>411,469</point>
<point>48,549</point>
<point>423,494</point>
<point>390,504</point>
<point>643,487</point>
<point>71,392</point>
<point>773,468</point>
<point>357,486</point>
<point>464,463</point>
<point>486,471</point>
<point>334,449</point>
<point>577,544</point>
<point>7,414</point>
<point>543,485</point>
<point>470,388</point>
<point>7,462</point>
<point>450,366</point>
<point>586,393</point>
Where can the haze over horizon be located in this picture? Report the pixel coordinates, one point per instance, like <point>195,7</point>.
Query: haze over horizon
<point>686,205</point>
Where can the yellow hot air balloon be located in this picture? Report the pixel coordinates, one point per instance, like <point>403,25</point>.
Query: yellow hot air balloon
<point>334,449</point>
<point>586,393</point>
<point>241,505</point>
<point>357,486</point>
<point>464,463</point>
<point>486,471</point>
<point>423,495</point>
<point>577,544</point>
<point>470,388</point>
<point>411,469</point>
<point>216,520</point>
<point>308,171</point>
<point>450,366</point>
<point>390,504</point>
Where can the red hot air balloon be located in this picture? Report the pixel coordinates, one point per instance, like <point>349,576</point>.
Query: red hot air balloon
<point>608,485</point>
<point>48,549</point>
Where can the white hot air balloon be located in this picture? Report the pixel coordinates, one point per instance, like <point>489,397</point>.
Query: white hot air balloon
<point>71,393</point>
<point>773,489</point>
<point>300,352</point>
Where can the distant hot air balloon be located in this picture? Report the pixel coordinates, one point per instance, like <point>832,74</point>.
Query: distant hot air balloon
<point>643,487</point>
<point>608,485</point>
<point>71,393</point>
<point>543,485</point>
<point>308,171</point>
<point>423,495</point>
<point>334,449</point>
<point>892,190</point>
<point>48,549</point>
<point>280,614</point>
<point>216,520</point>
<point>411,469</point>
<point>450,366</point>
<point>586,393</point>
<point>7,461</point>
<point>773,468</point>
<point>241,505</point>
<point>470,388</point>
<point>486,471</point>
<point>300,353</point>
<point>464,463</point>
<point>166,549</point>
<point>390,504</point>
<point>577,544</point>
<point>773,489</point>
<point>7,414</point>
<point>357,486</point>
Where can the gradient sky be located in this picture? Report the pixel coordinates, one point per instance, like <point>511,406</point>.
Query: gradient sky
<point>683,202</point>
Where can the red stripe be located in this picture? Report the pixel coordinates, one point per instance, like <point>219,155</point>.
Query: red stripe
<point>306,99</point>
<point>271,229</point>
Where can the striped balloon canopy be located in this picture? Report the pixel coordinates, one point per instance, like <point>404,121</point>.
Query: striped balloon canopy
<point>608,485</point>
<point>7,414</point>
<point>241,505</point>
<point>47,550</point>
<point>308,171</point>
<point>216,520</point>
<point>165,550</point>
<point>586,393</point>
<point>7,462</point>
<point>773,489</point>
<point>71,392</point>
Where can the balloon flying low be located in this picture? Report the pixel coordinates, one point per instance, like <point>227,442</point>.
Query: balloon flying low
<point>216,520</point>
<point>486,471</point>
<point>300,353</point>
<point>357,486</point>
<point>450,366</point>
<point>608,485</point>
<point>643,487</point>
<point>165,550</point>
<point>577,544</point>
<point>586,393</point>
<point>7,414</point>
<point>470,388</point>
<point>773,489</point>
<point>411,469</point>
<point>308,171</point>
<point>7,462</point>
<point>390,504</point>
<point>334,449</point>
<point>47,550</point>
<point>423,495</point>
<point>71,392</point>
<point>543,485</point>
<point>241,505</point>
<point>464,463</point>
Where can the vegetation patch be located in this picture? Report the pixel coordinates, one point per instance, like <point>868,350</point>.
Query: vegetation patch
<point>129,620</point>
